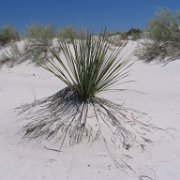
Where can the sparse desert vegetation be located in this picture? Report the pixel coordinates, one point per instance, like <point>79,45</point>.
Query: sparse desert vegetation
<point>8,34</point>
<point>162,38</point>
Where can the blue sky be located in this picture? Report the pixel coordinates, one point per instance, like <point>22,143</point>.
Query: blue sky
<point>116,15</point>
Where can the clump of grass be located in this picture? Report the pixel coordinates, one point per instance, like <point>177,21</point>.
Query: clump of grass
<point>67,33</point>
<point>8,34</point>
<point>12,56</point>
<point>39,40</point>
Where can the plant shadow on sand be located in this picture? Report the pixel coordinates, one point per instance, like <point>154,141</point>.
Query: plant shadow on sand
<point>66,120</point>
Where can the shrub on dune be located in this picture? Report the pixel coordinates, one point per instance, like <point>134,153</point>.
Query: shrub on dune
<point>69,32</point>
<point>163,38</point>
<point>8,34</point>
<point>39,39</point>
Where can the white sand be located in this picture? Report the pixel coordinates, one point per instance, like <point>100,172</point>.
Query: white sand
<point>160,160</point>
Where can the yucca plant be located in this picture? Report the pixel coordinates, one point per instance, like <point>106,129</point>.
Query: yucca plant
<point>88,67</point>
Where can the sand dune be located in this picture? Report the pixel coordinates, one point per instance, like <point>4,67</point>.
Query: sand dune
<point>31,161</point>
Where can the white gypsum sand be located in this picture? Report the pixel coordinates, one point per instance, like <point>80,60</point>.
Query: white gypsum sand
<point>31,161</point>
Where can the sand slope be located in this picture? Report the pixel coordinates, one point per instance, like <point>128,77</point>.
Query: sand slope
<point>161,102</point>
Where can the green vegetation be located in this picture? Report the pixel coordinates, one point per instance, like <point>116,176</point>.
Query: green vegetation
<point>134,33</point>
<point>163,38</point>
<point>8,34</point>
<point>67,32</point>
<point>121,38</point>
<point>41,33</point>
<point>164,27</point>
<point>39,40</point>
